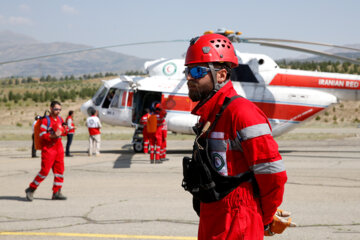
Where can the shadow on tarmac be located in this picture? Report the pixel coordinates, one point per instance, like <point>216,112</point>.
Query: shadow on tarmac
<point>22,199</point>
<point>124,160</point>
<point>15,198</point>
<point>127,154</point>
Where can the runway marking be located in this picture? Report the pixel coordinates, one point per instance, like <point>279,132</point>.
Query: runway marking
<point>95,235</point>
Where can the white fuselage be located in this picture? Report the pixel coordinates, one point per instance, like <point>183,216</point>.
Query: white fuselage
<point>287,97</point>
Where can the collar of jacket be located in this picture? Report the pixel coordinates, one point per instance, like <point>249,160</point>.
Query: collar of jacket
<point>211,107</point>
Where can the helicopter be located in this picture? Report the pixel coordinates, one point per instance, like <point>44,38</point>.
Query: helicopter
<point>287,97</point>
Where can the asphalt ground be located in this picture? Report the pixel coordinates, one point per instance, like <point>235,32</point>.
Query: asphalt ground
<point>120,195</point>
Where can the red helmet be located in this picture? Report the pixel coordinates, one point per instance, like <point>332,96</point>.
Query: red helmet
<point>211,48</point>
<point>158,105</point>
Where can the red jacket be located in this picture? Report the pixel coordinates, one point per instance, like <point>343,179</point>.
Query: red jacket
<point>45,132</point>
<point>70,124</point>
<point>161,119</point>
<point>144,118</point>
<point>241,141</point>
<point>93,123</point>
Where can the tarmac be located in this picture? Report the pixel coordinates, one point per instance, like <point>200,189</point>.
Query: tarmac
<point>120,195</point>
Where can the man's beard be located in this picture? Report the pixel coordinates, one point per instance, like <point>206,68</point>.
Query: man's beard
<point>195,95</point>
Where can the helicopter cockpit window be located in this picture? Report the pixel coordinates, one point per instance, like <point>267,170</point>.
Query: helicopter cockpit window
<point>109,98</point>
<point>116,101</point>
<point>243,73</point>
<point>99,96</point>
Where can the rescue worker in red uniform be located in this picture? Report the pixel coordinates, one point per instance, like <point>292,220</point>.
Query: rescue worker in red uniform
<point>143,122</point>
<point>239,143</point>
<point>71,131</point>
<point>161,130</point>
<point>163,143</point>
<point>155,138</point>
<point>52,153</point>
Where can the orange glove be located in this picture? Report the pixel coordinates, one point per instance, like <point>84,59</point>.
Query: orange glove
<point>281,221</point>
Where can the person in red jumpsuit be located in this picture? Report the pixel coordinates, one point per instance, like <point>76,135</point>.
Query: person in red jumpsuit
<point>161,130</point>
<point>52,153</point>
<point>155,138</point>
<point>239,143</point>
<point>143,122</point>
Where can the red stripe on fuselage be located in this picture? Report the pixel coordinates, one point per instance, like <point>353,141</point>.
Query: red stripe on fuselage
<point>287,112</point>
<point>271,110</point>
<point>178,103</point>
<point>314,82</point>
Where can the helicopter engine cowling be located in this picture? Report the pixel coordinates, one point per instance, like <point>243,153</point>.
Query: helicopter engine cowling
<point>170,68</point>
<point>85,107</point>
<point>181,123</point>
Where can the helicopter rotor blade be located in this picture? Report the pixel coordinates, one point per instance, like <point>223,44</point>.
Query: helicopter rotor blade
<point>260,41</point>
<point>303,42</point>
<point>90,49</point>
<point>300,49</point>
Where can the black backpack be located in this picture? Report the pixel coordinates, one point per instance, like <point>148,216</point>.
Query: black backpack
<point>201,178</point>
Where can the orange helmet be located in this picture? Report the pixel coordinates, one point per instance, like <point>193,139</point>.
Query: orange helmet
<point>211,48</point>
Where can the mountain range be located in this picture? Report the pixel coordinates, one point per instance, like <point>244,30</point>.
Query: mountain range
<point>17,46</point>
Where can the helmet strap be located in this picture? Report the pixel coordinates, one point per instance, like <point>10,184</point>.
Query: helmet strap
<point>217,85</point>
<point>213,74</point>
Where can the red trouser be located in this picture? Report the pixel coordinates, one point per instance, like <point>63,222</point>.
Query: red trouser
<point>51,158</point>
<point>155,142</point>
<point>237,216</point>
<point>145,140</point>
<point>163,144</point>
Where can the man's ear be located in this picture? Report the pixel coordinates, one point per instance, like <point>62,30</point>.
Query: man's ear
<point>221,75</point>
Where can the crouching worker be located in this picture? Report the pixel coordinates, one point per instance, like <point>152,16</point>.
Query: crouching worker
<point>52,153</point>
<point>236,174</point>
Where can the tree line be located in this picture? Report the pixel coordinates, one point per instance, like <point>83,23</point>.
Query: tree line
<point>326,66</point>
<point>47,88</point>
<point>46,96</point>
<point>23,80</point>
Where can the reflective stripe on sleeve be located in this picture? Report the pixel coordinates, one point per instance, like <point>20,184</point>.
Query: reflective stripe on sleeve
<point>254,131</point>
<point>269,167</point>
<point>43,126</point>
<point>42,133</point>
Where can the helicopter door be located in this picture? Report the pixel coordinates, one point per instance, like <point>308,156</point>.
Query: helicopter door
<point>120,107</point>
<point>105,112</point>
<point>143,100</point>
<point>109,97</point>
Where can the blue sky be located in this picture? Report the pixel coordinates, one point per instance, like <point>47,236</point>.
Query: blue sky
<point>108,22</point>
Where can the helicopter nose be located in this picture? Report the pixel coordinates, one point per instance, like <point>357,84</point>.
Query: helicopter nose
<point>84,108</point>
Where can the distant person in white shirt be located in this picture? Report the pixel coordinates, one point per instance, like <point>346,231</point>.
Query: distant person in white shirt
<point>93,123</point>
<point>33,150</point>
